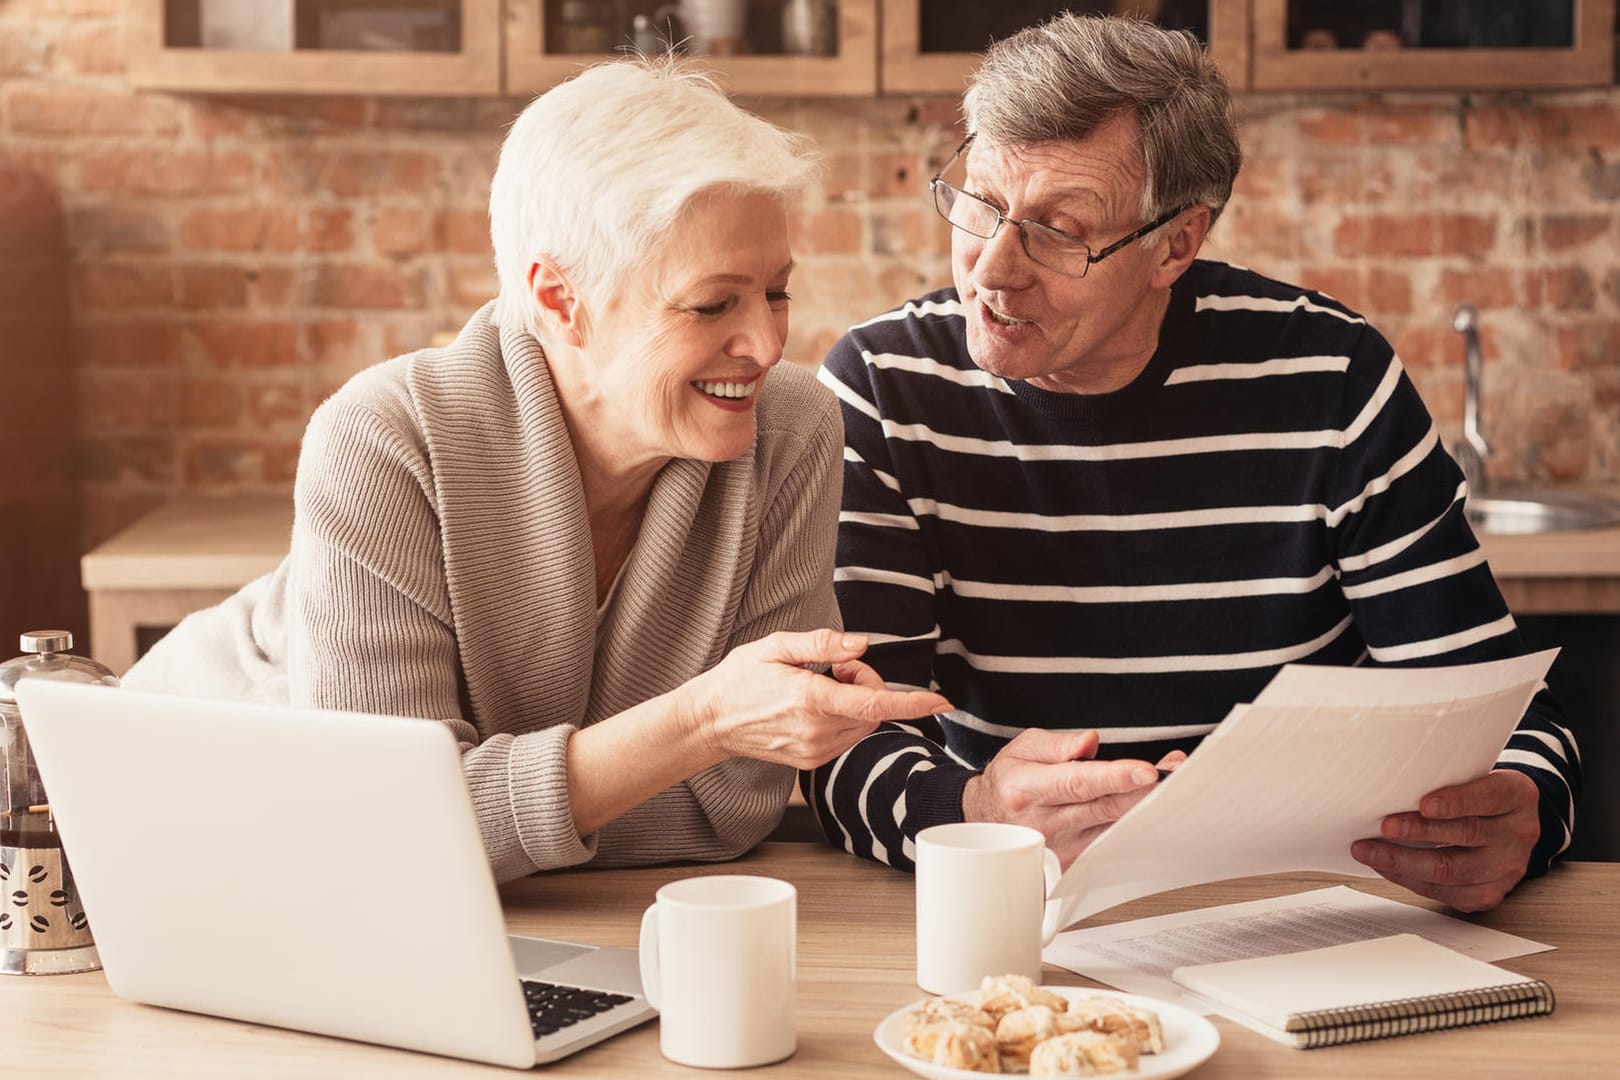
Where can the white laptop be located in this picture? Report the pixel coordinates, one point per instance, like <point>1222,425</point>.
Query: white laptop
<point>306,869</point>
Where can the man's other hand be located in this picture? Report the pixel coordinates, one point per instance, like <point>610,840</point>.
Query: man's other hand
<point>1487,828</point>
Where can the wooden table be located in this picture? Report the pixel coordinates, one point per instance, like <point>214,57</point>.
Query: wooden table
<point>856,964</point>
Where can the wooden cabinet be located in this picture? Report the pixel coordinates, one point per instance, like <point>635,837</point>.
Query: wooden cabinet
<point>534,60</point>
<point>167,50</point>
<point>1412,45</point>
<point>448,47</point>
<point>882,46</point>
<point>924,53</point>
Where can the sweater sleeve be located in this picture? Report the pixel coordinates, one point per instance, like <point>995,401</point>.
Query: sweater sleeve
<point>872,799</point>
<point>370,628</point>
<point>1415,576</point>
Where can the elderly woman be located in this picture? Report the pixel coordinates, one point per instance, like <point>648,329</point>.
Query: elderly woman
<point>595,533</point>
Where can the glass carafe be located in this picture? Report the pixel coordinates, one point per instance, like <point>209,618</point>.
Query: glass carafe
<point>43,929</point>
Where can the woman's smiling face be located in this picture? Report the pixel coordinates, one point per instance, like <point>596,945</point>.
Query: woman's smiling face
<point>676,357</point>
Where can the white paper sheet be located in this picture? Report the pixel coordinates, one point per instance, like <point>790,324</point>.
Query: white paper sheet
<point>1138,956</point>
<point>1316,762</point>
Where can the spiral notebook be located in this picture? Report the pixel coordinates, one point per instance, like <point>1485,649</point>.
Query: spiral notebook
<point>1398,985</point>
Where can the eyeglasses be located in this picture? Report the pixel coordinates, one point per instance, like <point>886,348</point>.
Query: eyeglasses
<point>1052,248</point>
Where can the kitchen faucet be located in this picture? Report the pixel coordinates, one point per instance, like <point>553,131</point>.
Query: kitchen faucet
<point>1472,451</point>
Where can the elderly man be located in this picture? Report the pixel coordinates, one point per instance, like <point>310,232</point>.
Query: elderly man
<point>1100,490</point>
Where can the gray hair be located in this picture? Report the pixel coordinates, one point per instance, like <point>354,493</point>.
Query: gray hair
<point>595,171</point>
<point>1060,80</point>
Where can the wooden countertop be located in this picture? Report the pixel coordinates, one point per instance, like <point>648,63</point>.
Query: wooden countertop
<point>1572,553</point>
<point>203,542</point>
<point>1578,553</point>
<point>857,962</point>
<point>1572,572</point>
<point>194,542</point>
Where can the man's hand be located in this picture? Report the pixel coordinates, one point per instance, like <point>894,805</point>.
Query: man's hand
<point>1487,826</point>
<point>1048,781</point>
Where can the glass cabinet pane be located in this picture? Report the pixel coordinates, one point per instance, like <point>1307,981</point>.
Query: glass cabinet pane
<point>1431,44</point>
<point>932,46</point>
<point>791,48</point>
<point>411,47</point>
<point>694,27</point>
<point>430,26</point>
<point>968,26</point>
<point>1431,24</point>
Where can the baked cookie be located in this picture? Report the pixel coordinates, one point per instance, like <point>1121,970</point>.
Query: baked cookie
<point>1021,1030</point>
<point>1082,1053</point>
<point>1001,994</point>
<point>1111,1016</point>
<point>944,1009</point>
<point>955,1044</point>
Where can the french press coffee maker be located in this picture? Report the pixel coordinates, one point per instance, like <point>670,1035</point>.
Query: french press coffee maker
<point>43,929</point>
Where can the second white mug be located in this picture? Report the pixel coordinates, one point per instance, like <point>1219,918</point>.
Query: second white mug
<point>719,962</point>
<point>981,904</point>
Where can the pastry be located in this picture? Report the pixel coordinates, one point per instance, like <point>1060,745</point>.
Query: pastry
<point>1111,1016</point>
<point>1001,994</point>
<point>942,1009</point>
<point>1021,1030</point>
<point>1082,1053</point>
<point>955,1044</point>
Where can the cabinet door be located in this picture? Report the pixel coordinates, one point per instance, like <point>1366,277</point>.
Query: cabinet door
<point>415,47</point>
<point>830,48</point>
<point>931,46</point>
<point>1431,44</point>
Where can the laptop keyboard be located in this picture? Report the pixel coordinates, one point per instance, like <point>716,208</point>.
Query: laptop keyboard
<point>553,1007</point>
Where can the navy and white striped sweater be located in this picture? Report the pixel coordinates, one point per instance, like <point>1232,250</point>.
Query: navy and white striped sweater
<point>1269,490</point>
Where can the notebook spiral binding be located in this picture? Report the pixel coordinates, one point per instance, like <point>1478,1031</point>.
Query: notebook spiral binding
<point>1409,1016</point>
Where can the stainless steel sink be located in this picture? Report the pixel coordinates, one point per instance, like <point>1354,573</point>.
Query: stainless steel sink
<point>1506,512</point>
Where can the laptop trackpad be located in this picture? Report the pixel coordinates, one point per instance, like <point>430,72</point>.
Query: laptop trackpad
<point>531,955</point>
<point>617,971</point>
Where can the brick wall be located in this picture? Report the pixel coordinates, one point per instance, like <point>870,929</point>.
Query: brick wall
<point>235,259</point>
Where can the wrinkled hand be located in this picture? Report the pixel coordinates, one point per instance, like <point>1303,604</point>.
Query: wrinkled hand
<point>1488,827</point>
<point>760,702</point>
<point>1049,781</point>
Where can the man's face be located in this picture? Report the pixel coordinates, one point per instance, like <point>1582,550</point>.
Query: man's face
<point>1027,322</point>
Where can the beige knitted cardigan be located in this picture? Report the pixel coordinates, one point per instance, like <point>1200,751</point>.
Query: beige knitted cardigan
<point>441,567</point>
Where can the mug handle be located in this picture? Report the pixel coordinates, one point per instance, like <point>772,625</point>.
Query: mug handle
<point>648,953</point>
<point>1052,871</point>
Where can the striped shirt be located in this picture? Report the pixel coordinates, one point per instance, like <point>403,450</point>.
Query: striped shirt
<point>1269,490</point>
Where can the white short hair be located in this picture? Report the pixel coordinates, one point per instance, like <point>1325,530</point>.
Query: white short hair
<point>595,171</point>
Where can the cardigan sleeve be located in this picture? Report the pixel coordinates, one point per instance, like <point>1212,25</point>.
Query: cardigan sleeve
<point>370,628</point>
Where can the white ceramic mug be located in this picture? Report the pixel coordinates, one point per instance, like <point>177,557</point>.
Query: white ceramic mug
<point>981,904</point>
<point>719,962</point>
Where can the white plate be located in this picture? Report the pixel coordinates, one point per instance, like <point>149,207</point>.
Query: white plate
<point>1189,1039</point>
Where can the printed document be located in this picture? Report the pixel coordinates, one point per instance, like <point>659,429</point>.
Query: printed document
<point>1316,762</point>
<point>1138,956</point>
